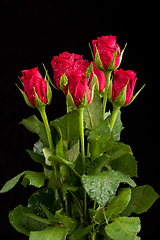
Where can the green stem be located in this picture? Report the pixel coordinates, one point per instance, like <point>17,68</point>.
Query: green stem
<point>81,131</point>
<point>47,127</point>
<point>48,130</point>
<point>107,78</point>
<point>114,116</point>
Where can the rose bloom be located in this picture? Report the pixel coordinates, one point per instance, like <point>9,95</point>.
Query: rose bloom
<point>100,76</point>
<point>77,86</point>
<point>106,46</point>
<point>66,61</point>
<point>33,82</point>
<point>121,78</point>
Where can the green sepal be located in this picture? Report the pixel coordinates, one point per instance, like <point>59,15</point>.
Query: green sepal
<point>25,97</point>
<point>48,77</point>
<point>121,55</point>
<point>70,102</point>
<point>49,93</point>
<point>63,81</point>
<point>38,102</point>
<point>134,97</point>
<point>88,71</point>
<point>120,99</point>
<point>111,66</point>
<point>97,61</point>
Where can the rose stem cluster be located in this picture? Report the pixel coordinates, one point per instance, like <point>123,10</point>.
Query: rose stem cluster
<point>70,74</point>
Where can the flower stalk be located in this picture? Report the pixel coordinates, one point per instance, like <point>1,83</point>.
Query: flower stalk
<point>46,124</point>
<point>81,131</point>
<point>107,78</point>
<point>114,116</point>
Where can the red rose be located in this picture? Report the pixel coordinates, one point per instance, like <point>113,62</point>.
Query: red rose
<point>67,61</point>
<point>100,77</point>
<point>77,86</point>
<point>121,79</point>
<point>33,82</point>
<point>106,47</point>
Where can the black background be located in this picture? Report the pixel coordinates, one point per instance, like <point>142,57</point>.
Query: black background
<point>31,33</point>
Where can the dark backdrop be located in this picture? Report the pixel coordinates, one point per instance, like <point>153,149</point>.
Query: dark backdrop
<point>33,32</point>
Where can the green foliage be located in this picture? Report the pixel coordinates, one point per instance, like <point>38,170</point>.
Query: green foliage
<point>123,228</point>
<point>101,187</point>
<point>74,204</point>
<point>35,126</point>
<point>93,113</point>
<point>33,178</point>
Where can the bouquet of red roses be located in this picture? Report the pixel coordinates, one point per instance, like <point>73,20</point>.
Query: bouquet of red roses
<point>86,189</point>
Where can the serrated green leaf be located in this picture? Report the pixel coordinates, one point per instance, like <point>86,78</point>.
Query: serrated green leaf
<point>23,223</point>
<point>125,178</point>
<point>126,164</point>
<point>123,228</point>
<point>11,183</point>
<point>100,139</point>
<point>101,187</point>
<point>119,203</point>
<point>69,125</point>
<point>52,233</point>
<point>35,126</point>
<point>118,150</point>
<point>93,113</point>
<point>73,152</point>
<point>97,164</point>
<point>148,197</point>
<point>49,155</point>
<point>35,179</point>
<point>44,196</point>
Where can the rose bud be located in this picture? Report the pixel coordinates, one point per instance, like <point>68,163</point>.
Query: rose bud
<point>77,91</point>
<point>37,92</point>
<point>65,62</point>
<point>98,77</point>
<point>106,53</point>
<point>122,87</point>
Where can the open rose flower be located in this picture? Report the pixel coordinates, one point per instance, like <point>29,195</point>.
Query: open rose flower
<point>66,62</point>
<point>34,83</point>
<point>122,79</point>
<point>100,77</point>
<point>106,47</point>
<point>77,87</point>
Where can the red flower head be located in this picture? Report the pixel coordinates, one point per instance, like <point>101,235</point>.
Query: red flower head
<point>67,61</point>
<point>106,47</point>
<point>122,79</point>
<point>100,77</point>
<point>77,87</point>
<point>34,83</point>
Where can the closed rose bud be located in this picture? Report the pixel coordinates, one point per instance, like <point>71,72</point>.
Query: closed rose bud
<point>37,91</point>
<point>77,88</point>
<point>123,87</point>
<point>100,78</point>
<point>106,53</point>
<point>65,62</point>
